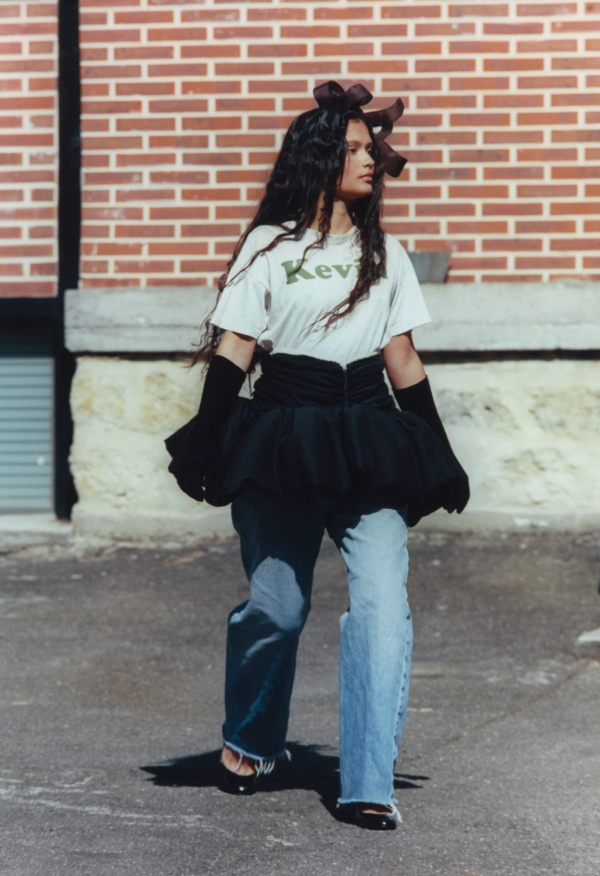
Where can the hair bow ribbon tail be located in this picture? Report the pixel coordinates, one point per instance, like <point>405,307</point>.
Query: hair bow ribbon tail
<point>393,162</point>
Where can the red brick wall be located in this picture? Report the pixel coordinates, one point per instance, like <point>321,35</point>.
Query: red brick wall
<point>185,104</point>
<point>28,161</point>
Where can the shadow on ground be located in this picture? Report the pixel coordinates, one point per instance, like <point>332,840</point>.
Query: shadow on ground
<point>309,768</point>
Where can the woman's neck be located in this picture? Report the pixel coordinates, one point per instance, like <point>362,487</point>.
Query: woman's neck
<point>340,222</point>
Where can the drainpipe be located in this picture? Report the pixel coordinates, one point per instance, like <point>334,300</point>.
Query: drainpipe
<point>69,221</point>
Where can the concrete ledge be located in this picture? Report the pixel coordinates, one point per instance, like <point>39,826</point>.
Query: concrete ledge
<point>563,315</point>
<point>19,531</point>
<point>165,320</point>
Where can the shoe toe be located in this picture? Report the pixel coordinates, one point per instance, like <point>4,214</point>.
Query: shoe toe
<point>370,820</point>
<point>234,783</point>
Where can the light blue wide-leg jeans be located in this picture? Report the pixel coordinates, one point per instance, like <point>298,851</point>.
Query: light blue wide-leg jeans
<point>280,538</point>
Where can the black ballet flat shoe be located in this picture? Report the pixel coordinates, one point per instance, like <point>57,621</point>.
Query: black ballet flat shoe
<point>370,820</point>
<point>234,783</point>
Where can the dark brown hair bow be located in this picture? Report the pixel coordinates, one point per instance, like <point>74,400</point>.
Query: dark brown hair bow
<point>332,96</point>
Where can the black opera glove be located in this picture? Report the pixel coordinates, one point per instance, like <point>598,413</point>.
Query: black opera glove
<point>419,400</point>
<point>196,445</point>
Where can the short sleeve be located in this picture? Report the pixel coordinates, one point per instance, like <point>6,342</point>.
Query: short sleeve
<point>243,306</point>
<point>408,309</point>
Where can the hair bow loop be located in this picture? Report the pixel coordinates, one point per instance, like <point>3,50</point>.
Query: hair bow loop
<point>331,96</point>
<point>357,96</point>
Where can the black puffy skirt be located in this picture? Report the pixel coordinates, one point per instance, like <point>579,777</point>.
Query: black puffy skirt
<point>313,424</point>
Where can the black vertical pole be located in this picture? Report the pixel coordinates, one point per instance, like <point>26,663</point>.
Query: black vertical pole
<point>69,220</point>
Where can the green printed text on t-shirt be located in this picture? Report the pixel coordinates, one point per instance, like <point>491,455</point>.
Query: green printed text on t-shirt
<point>294,271</point>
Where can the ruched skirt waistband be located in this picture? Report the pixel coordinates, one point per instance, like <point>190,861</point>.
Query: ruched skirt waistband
<point>289,380</point>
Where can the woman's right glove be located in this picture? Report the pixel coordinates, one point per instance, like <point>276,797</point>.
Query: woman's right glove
<point>196,445</point>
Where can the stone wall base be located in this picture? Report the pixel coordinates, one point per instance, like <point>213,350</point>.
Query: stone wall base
<point>514,521</point>
<point>151,529</point>
<point>172,531</point>
<point>24,531</point>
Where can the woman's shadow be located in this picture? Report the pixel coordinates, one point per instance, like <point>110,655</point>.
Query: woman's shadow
<point>309,768</point>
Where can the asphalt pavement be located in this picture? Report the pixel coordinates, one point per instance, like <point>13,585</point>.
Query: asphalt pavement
<point>111,687</point>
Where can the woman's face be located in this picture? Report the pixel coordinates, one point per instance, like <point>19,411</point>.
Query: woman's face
<point>357,178</point>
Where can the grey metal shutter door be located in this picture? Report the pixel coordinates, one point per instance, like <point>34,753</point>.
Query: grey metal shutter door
<point>26,430</point>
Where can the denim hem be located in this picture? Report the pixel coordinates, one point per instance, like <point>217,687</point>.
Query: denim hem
<point>345,802</point>
<point>258,757</point>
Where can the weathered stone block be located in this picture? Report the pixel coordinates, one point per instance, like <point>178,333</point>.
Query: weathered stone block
<point>525,431</point>
<point>123,410</point>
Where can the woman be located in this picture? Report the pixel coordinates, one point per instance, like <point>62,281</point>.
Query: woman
<point>326,299</point>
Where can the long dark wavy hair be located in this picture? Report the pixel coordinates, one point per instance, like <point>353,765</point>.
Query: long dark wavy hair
<point>311,161</point>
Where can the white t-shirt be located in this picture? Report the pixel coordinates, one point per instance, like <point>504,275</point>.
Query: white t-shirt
<point>270,302</point>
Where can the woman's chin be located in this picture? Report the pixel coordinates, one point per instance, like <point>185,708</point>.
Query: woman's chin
<point>361,191</point>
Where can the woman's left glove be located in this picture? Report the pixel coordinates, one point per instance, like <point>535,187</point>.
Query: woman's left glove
<point>419,400</point>
<point>196,445</point>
